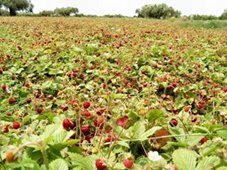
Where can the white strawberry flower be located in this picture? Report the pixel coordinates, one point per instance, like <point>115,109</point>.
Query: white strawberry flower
<point>154,156</point>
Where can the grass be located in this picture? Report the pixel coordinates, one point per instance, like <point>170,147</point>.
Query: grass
<point>210,24</point>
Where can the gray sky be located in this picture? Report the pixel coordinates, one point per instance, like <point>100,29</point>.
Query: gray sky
<point>128,7</point>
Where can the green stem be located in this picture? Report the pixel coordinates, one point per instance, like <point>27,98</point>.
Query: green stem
<point>45,160</point>
<point>162,137</point>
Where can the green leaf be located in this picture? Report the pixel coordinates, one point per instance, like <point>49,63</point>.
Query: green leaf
<point>208,162</point>
<point>201,129</point>
<point>154,115</point>
<point>222,133</point>
<point>87,163</point>
<point>47,115</point>
<point>150,132</point>
<point>142,161</point>
<point>58,164</point>
<point>184,159</point>
<point>134,116</point>
<point>50,130</point>
<point>180,102</point>
<point>53,71</point>
<point>115,96</point>
<point>19,70</point>
<point>23,93</point>
<point>137,130</point>
<point>123,143</point>
<point>194,139</point>
<point>178,131</point>
<point>119,166</point>
<point>60,146</point>
<point>30,164</point>
<point>47,85</point>
<point>62,136</point>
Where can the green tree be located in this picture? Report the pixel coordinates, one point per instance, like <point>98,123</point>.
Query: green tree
<point>4,12</point>
<point>224,14</point>
<point>160,11</point>
<point>46,13</point>
<point>66,11</point>
<point>17,5</point>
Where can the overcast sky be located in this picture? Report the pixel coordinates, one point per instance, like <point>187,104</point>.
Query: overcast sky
<point>128,7</point>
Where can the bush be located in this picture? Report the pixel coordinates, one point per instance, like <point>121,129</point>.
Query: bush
<point>4,12</point>
<point>46,13</point>
<point>160,11</point>
<point>114,16</point>
<point>66,11</point>
<point>26,14</point>
<point>224,15</point>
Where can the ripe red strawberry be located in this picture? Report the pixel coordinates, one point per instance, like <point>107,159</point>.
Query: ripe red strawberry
<point>73,103</point>
<point>64,107</point>
<point>87,114</point>
<point>11,100</point>
<point>5,129</point>
<point>187,96</point>
<point>108,138</point>
<point>143,71</point>
<point>100,165</point>
<point>98,121</point>
<point>68,124</point>
<point>128,163</point>
<point>27,84</point>
<point>100,111</point>
<point>187,108</point>
<point>19,48</point>
<point>202,102</point>
<point>173,122</point>
<point>39,109</point>
<point>4,87</point>
<point>43,97</point>
<point>111,137</point>
<point>86,104</point>
<point>50,97</point>
<point>204,140</point>
<point>122,121</point>
<point>15,125</point>
<point>85,128</point>
<point>201,105</point>
<point>81,76</point>
<point>29,100</point>
<point>225,89</point>
<point>175,168</point>
<point>174,84</point>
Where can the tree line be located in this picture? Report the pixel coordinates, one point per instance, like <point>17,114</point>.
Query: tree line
<point>11,7</point>
<point>162,11</point>
<point>157,11</point>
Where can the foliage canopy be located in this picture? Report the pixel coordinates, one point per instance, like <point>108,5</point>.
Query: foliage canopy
<point>160,11</point>
<point>224,14</point>
<point>66,11</point>
<point>17,5</point>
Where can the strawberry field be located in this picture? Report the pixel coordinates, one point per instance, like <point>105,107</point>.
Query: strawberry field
<point>111,94</point>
